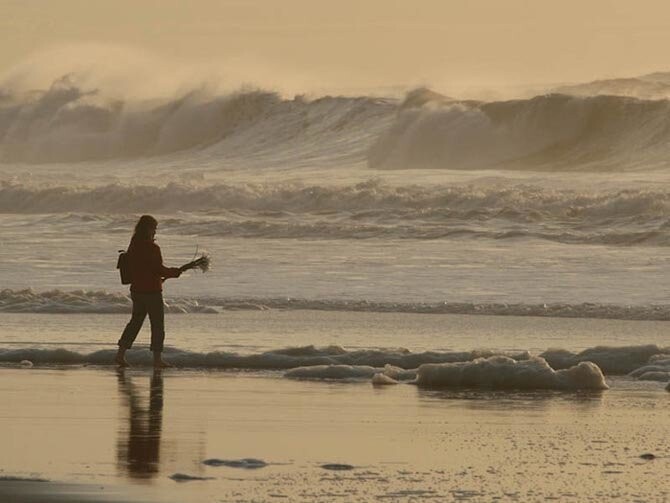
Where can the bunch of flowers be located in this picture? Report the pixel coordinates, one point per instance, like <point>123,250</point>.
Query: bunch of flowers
<point>202,262</point>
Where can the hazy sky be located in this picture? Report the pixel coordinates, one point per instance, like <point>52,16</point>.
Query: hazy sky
<point>358,43</point>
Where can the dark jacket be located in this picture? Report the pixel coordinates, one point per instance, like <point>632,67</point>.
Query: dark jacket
<point>146,267</point>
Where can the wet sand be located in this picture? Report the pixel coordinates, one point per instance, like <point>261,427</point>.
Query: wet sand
<point>130,432</point>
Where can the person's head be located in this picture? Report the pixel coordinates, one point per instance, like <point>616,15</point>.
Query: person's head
<point>145,228</point>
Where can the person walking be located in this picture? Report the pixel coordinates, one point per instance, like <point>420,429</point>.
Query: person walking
<point>147,274</point>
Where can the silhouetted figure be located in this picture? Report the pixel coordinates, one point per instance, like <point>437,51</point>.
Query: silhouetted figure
<point>146,290</point>
<point>140,455</point>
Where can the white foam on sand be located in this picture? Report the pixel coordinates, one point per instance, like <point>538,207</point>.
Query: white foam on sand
<point>612,360</point>
<point>383,366</point>
<point>502,372</point>
<point>655,375</point>
<point>332,372</point>
<point>389,373</point>
<point>657,369</point>
<point>381,379</point>
<point>279,359</point>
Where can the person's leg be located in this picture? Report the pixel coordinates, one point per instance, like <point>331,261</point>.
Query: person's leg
<point>157,319</point>
<point>132,328</point>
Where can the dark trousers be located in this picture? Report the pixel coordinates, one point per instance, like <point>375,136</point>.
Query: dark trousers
<point>143,304</point>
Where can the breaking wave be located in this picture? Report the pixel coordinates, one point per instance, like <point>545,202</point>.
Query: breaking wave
<point>371,209</point>
<point>579,130</point>
<point>552,132</point>
<point>101,302</point>
<point>526,202</point>
<point>70,123</point>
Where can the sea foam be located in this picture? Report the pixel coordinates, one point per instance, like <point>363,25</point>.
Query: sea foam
<point>502,372</point>
<point>279,359</point>
<point>553,369</point>
<point>101,302</point>
<point>495,372</point>
<point>344,372</point>
<point>612,360</point>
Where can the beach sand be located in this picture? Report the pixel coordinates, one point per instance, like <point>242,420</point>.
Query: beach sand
<point>98,434</point>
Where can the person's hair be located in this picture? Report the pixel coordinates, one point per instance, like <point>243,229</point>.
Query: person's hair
<point>144,226</point>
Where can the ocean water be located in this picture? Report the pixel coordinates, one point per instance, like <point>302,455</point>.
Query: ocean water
<point>552,206</point>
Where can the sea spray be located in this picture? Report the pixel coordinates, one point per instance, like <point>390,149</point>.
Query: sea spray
<point>547,132</point>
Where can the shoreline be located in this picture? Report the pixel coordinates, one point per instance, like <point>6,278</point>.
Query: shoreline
<point>135,430</point>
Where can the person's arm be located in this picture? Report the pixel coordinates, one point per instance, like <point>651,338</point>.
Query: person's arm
<point>165,272</point>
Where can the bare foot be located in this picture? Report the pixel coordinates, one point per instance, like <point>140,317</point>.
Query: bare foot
<point>161,364</point>
<point>121,361</point>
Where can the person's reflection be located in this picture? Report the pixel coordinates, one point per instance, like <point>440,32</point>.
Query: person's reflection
<point>139,454</point>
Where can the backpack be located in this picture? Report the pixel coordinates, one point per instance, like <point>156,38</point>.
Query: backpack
<point>123,265</point>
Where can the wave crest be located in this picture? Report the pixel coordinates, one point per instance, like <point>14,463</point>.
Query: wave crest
<point>70,123</point>
<point>552,132</point>
<point>67,123</point>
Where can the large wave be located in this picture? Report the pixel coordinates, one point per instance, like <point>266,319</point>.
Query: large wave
<point>69,123</point>
<point>550,132</point>
<point>579,130</point>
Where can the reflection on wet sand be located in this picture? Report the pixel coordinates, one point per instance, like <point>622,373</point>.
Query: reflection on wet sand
<point>487,399</point>
<point>138,453</point>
